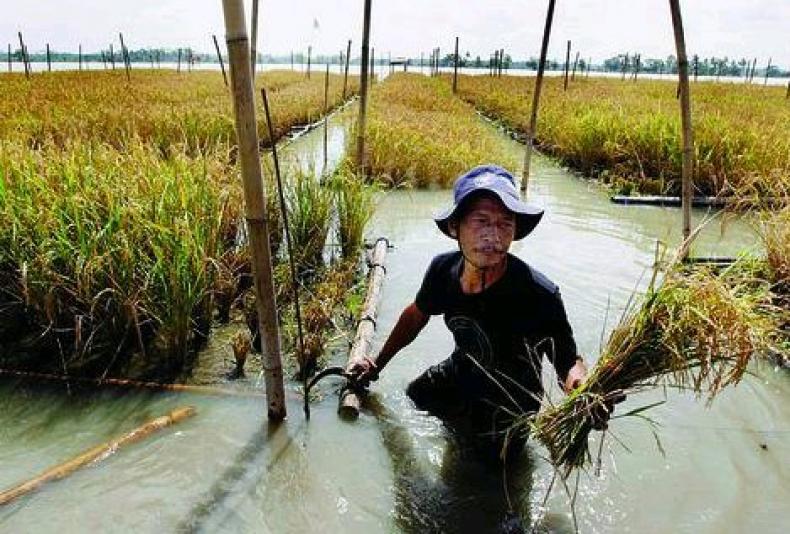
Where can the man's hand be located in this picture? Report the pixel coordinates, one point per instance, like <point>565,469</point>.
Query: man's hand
<point>601,413</point>
<point>364,369</point>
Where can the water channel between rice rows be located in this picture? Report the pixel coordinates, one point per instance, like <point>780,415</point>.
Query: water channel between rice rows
<point>725,468</point>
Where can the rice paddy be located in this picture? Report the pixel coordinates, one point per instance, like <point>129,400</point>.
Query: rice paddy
<point>628,133</point>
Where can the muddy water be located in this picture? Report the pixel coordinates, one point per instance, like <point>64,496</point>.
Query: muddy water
<point>725,468</point>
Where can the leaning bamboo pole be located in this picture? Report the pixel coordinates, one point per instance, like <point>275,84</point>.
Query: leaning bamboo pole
<point>363,340</point>
<point>255,203</point>
<point>96,454</point>
<point>221,63</point>
<point>685,110</point>
<point>533,119</point>
<point>24,55</point>
<point>363,89</point>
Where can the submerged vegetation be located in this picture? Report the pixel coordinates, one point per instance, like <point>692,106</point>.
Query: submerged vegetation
<point>628,134</point>
<point>419,134</point>
<point>121,229</point>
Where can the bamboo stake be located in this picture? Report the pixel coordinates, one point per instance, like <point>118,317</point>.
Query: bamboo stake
<point>178,68</point>
<point>80,53</point>
<point>363,340</point>
<point>345,75</point>
<point>125,56</point>
<point>685,109</point>
<point>255,203</point>
<point>326,122</point>
<point>128,383</point>
<point>24,55</point>
<point>767,70</point>
<point>637,65</point>
<point>9,57</point>
<point>291,261</point>
<point>501,61</point>
<point>363,89</point>
<point>533,119</point>
<point>49,62</point>
<point>625,66</point>
<point>254,38</point>
<point>575,64</point>
<point>455,68</point>
<point>221,63</point>
<point>754,68</point>
<point>567,65</point>
<point>309,54</point>
<point>97,453</point>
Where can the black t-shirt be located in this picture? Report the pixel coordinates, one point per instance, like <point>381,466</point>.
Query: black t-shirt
<point>502,332</point>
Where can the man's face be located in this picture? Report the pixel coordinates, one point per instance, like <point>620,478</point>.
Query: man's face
<point>485,231</point>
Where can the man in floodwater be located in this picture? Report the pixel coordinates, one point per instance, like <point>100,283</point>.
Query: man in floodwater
<point>503,314</point>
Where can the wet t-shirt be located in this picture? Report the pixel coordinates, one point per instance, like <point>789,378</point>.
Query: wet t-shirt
<point>502,332</point>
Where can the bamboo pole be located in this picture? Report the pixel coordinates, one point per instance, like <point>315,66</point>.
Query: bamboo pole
<point>9,57</point>
<point>363,340</point>
<point>345,75</point>
<point>80,53</point>
<point>696,67</point>
<point>455,67</point>
<point>754,69</point>
<point>324,171</point>
<point>309,58</point>
<point>767,70</point>
<point>501,61</point>
<point>96,454</point>
<point>24,55</point>
<point>221,63</point>
<point>254,38</point>
<point>128,383</point>
<point>567,65</point>
<point>625,65</point>
<point>685,109</point>
<point>126,61</point>
<point>533,119</point>
<point>178,68</point>
<point>255,203</point>
<point>637,65</point>
<point>575,64</point>
<point>363,89</point>
<point>49,61</point>
<point>304,366</point>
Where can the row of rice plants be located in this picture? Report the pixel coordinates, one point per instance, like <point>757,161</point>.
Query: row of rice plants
<point>420,135</point>
<point>629,133</point>
<point>164,108</point>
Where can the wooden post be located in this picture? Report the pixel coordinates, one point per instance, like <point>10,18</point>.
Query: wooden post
<point>575,64</point>
<point>96,454</point>
<point>22,50</point>
<point>178,68</point>
<point>9,57</point>
<point>221,63</point>
<point>767,70</point>
<point>501,60</point>
<point>754,68</point>
<point>309,53</point>
<point>254,38</point>
<point>363,90</point>
<point>625,65</point>
<point>685,110</point>
<point>49,61</point>
<point>533,120</point>
<point>126,60</point>
<point>345,75</point>
<point>326,121</point>
<point>80,53</point>
<point>349,400</point>
<point>455,68</point>
<point>567,65</point>
<point>637,64</point>
<point>255,203</point>
<point>696,67</point>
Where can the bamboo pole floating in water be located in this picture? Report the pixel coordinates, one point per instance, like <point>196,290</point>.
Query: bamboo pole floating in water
<point>363,90</point>
<point>567,65</point>
<point>685,110</point>
<point>128,383</point>
<point>221,63</point>
<point>455,67</point>
<point>533,119</point>
<point>363,340</point>
<point>254,38</point>
<point>345,75</point>
<point>96,454</point>
<point>254,203</point>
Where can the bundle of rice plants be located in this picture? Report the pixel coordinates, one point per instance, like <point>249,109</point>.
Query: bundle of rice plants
<point>310,213</point>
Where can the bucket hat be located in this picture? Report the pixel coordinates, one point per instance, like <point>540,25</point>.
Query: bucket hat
<point>496,180</point>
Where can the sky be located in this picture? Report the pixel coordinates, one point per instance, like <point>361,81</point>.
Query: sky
<point>598,28</point>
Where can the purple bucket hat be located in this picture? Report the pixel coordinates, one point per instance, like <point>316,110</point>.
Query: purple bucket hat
<point>496,180</point>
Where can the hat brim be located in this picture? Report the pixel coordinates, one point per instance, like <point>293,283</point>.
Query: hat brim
<point>527,215</point>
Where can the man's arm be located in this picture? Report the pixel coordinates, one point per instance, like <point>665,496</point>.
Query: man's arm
<point>410,323</point>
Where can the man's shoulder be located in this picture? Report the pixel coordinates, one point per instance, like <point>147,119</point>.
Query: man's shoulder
<point>529,277</point>
<point>445,261</point>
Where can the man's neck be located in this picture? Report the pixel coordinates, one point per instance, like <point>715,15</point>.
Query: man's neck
<point>474,280</point>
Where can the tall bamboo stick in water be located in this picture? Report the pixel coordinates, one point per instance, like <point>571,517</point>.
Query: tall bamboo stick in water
<point>533,119</point>
<point>254,38</point>
<point>49,62</point>
<point>455,67</point>
<point>24,56</point>
<point>567,65</point>
<point>96,454</point>
<point>255,203</point>
<point>326,121</point>
<point>309,54</point>
<point>345,75</point>
<point>501,60</point>
<point>80,53</point>
<point>221,63</point>
<point>125,56</point>
<point>363,90</point>
<point>178,67</point>
<point>9,57</point>
<point>685,110</point>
